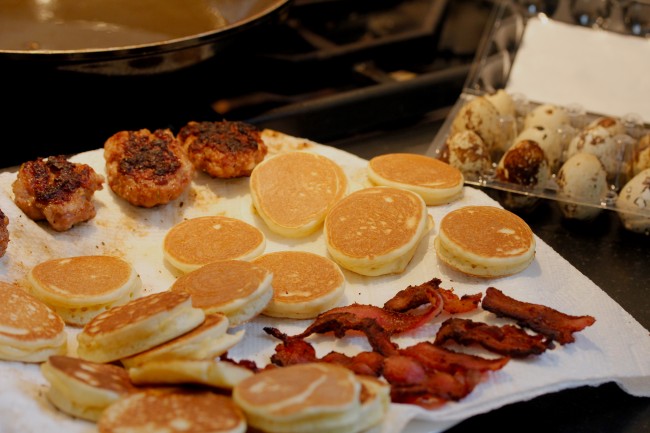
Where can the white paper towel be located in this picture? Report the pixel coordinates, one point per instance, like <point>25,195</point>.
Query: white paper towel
<point>605,72</point>
<point>616,348</point>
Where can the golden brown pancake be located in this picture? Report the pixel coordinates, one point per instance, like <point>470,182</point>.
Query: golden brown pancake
<point>30,331</point>
<point>82,388</point>
<point>293,191</point>
<point>238,289</point>
<point>304,284</point>
<point>436,181</point>
<point>375,231</point>
<point>209,372</point>
<point>173,411</point>
<point>199,241</point>
<point>79,288</point>
<point>301,397</point>
<point>485,241</point>
<point>375,401</point>
<point>137,326</point>
<point>207,340</point>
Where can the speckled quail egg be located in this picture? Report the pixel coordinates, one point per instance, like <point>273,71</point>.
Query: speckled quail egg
<point>482,117</point>
<point>641,158</point>
<point>550,116</point>
<point>503,102</point>
<point>525,164</point>
<point>548,139</point>
<point>505,105</point>
<point>582,179</point>
<point>633,203</point>
<point>601,138</point>
<point>467,152</point>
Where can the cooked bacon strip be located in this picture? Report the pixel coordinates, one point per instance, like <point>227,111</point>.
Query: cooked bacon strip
<point>439,358</point>
<point>251,365</point>
<point>553,324</point>
<point>341,322</point>
<point>292,350</point>
<point>415,296</point>
<point>427,375</point>
<point>506,340</point>
<point>392,322</point>
<point>452,304</point>
<point>437,388</point>
<point>412,297</point>
<point>403,370</point>
<point>365,363</point>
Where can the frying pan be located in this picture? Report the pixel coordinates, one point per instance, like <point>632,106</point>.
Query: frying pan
<point>126,37</point>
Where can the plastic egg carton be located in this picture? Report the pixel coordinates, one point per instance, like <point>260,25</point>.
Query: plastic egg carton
<point>611,177</point>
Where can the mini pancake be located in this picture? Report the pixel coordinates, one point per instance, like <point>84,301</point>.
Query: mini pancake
<point>314,397</point>
<point>209,372</point>
<point>198,241</point>
<point>79,288</point>
<point>30,331</point>
<point>375,231</point>
<point>207,340</point>
<point>173,411</point>
<point>375,401</point>
<point>293,191</point>
<point>82,388</point>
<point>238,289</point>
<point>435,181</point>
<point>304,284</point>
<point>137,326</point>
<point>485,241</point>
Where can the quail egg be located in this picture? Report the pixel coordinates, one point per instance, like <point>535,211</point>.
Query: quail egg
<point>582,179</point>
<point>548,139</point>
<point>641,158</point>
<point>525,164</point>
<point>467,152</point>
<point>602,138</point>
<point>482,117</point>
<point>551,117</point>
<point>633,203</point>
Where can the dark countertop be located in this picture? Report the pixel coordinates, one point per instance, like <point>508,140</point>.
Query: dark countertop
<point>615,259</point>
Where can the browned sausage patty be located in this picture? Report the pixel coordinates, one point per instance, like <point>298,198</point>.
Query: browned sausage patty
<point>223,149</point>
<point>4,233</point>
<point>57,190</point>
<point>147,169</point>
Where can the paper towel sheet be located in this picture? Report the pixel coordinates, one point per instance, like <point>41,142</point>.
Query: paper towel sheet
<point>616,348</point>
<point>605,72</point>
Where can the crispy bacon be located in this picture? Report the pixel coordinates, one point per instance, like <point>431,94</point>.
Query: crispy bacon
<point>426,374</point>
<point>251,365</point>
<point>365,363</point>
<point>292,350</point>
<point>452,304</point>
<point>340,324</point>
<point>436,388</point>
<point>506,340</point>
<point>403,370</point>
<point>553,324</point>
<point>439,358</point>
<point>415,296</point>
<point>391,322</point>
